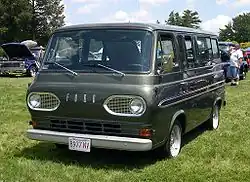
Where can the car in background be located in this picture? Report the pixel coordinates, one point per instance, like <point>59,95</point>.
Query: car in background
<point>20,59</point>
<point>224,49</point>
<point>246,54</point>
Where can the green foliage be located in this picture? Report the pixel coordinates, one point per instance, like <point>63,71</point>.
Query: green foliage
<point>189,18</point>
<point>238,29</point>
<point>29,19</point>
<point>245,45</point>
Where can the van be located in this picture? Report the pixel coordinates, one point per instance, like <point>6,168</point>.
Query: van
<point>126,86</point>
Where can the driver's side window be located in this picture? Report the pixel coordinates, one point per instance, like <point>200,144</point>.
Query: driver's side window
<point>165,56</point>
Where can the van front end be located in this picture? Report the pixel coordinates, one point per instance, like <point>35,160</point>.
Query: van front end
<point>83,115</point>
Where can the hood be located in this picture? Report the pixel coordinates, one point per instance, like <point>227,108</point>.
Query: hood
<point>16,50</point>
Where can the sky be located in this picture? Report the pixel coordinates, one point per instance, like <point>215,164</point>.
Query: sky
<point>214,14</point>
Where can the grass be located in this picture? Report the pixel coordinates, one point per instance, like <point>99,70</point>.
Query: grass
<point>222,155</point>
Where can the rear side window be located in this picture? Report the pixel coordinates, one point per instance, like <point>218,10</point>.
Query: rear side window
<point>215,48</point>
<point>204,50</point>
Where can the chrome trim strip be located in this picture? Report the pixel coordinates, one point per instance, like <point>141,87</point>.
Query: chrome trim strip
<point>182,100</point>
<point>43,93</point>
<point>97,141</point>
<point>191,78</point>
<point>105,105</point>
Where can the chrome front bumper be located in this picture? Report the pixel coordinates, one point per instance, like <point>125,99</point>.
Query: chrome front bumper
<point>97,141</point>
<point>13,70</point>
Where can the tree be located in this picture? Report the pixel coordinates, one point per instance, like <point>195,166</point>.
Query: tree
<point>227,34</point>
<point>238,29</point>
<point>174,19</point>
<point>47,15</point>
<point>14,18</point>
<point>29,19</point>
<point>241,27</point>
<point>188,19</point>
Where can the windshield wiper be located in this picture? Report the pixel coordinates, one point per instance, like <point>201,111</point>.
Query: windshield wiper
<point>105,67</point>
<point>69,70</point>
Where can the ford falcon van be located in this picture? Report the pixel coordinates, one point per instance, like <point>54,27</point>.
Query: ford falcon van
<point>126,86</point>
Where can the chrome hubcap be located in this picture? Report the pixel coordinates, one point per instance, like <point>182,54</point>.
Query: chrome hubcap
<point>216,117</point>
<point>175,141</point>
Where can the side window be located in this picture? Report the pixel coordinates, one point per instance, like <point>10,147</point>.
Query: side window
<point>215,48</point>
<point>204,52</point>
<point>166,57</point>
<point>189,52</point>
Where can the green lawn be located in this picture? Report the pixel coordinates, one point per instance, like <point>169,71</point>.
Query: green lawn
<point>222,155</point>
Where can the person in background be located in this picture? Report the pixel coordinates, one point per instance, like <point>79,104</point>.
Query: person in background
<point>236,56</point>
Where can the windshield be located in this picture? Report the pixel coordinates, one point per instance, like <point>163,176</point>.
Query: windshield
<point>121,50</point>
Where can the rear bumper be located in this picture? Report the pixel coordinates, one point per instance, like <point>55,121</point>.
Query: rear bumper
<point>97,141</point>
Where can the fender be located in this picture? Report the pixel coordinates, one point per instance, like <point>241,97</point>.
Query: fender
<point>216,100</point>
<point>32,64</point>
<point>174,118</point>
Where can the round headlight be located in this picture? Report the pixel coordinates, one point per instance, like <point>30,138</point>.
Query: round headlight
<point>35,100</point>
<point>137,106</point>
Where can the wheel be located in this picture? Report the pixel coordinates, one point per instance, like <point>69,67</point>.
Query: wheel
<point>214,121</point>
<point>243,76</point>
<point>32,71</point>
<point>172,146</point>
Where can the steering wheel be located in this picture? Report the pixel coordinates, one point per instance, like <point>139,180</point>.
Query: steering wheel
<point>138,65</point>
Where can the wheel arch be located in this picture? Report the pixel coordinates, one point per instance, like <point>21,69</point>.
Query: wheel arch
<point>181,117</point>
<point>218,101</point>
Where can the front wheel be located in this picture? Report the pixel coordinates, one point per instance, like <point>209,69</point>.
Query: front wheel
<point>172,147</point>
<point>32,71</point>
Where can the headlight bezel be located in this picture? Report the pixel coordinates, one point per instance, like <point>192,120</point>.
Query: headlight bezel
<point>44,95</point>
<point>130,114</point>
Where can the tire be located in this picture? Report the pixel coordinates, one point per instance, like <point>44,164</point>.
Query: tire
<point>244,75</point>
<point>172,147</point>
<point>32,71</point>
<point>214,121</point>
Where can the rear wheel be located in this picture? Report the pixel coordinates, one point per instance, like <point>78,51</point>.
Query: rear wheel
<point>214,121</point>
<point>243,76</point>
<point>172,147</point>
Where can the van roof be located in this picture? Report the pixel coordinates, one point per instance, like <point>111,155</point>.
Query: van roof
<point>226,43</point>
<point>146,26</point>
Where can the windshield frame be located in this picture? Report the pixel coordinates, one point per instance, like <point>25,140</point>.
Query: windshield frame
<point>100,71</point>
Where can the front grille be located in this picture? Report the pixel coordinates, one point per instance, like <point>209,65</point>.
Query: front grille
<point>48,102</point>
<point>7,65</point>
<point>85,126</point>
<point>89,126</point>
<point>120,105</point>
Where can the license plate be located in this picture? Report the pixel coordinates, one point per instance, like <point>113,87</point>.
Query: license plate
<point>79,144</point>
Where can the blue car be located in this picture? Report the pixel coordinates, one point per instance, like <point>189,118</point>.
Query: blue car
<point>20,60</point>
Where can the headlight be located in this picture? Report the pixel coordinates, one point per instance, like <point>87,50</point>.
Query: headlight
<point>34,101</point>
<point>137,106</point>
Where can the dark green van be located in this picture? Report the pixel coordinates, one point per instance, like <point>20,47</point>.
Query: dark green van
<point>126,86</point>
